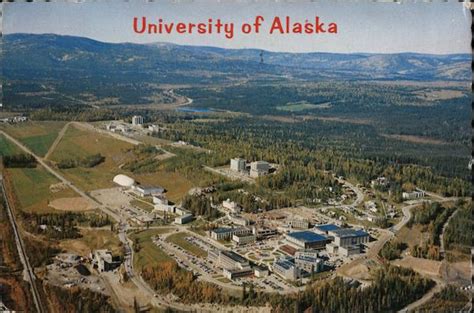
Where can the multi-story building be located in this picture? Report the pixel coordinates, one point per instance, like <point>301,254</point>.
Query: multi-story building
<point>238,165</point>
<point>308,263</point>
<point>259,168</point>
<point>285,268</point>
<point>224,233</point>
<point>137,120</point>
<point>346,237</point>
<point>243,239</point>
<point>104,261</point>
<point>324,229</point>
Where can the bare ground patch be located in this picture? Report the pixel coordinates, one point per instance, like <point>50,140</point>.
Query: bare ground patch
<point>75,204</point>
<point>422,266</point>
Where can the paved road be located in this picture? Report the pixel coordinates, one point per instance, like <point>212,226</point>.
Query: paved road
<point>28,272</point>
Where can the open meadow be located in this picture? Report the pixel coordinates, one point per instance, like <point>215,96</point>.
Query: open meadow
<point>38,136</point>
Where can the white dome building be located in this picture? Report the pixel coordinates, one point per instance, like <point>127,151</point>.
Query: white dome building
<point>124,180</point>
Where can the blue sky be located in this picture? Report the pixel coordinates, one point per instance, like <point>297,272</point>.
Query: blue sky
<point>425,27</point>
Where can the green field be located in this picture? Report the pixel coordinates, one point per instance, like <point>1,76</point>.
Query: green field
<point>8,148</point>
<point>38,136</point>
<point>149,253</point>
<point>179,239</point>
<point>302,106</point>
<point>78,143</point>
<point>32,187</point>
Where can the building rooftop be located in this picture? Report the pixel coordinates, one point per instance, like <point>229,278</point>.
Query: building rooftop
<point>307,236</point>
<point>221,230</point>
<point>327,227</point>
<point>286,264</point>
<point>234,256</point>
<point>349,232</point>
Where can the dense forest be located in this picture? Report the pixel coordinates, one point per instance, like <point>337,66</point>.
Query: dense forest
<point>449,299</point>
<point>392,289</point>
<point>458,235</point>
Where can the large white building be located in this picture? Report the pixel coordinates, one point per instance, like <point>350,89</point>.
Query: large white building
<point>104,261</point>
<point>137,120</point>
<point>238,164</point>
<point>124,180</point>
<point>239,220</point>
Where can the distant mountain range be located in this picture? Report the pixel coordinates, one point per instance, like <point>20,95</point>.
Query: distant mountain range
<point>68,58</point>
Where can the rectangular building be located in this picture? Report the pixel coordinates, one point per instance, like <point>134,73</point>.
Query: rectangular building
<point>345,237</point>
<point>238,164</point>
<point>223,233</point>
<point>413,195</point>
<point>137,120</point>
<point>306,240</point>
<point>286,269</point>
<point>239,220</point>
<point>243,239</point>
<point>259,168</point>
<point>299,223</point>
<point>145,191</point>
<point>183,219</point>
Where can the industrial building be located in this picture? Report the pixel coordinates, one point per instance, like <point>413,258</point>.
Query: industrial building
<point>243,239</point>
<point>259,168</point>
<point>286,269</point>
<point>137,120</point>
<point>306,240</point>
<point>144,191</point>
<point>345,237</point>
<point>223,233</point>
<point>183,219</point>
<point>104,261</point>
<point>238,165</point>
<point>124,180</point>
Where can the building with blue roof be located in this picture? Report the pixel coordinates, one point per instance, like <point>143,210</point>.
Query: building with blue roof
<point>307,240</point>
<point>324,229</point>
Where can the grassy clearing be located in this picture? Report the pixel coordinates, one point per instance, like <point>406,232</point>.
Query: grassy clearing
<point>8,148</point>
<point>149,254</point>
<point>32,187</point>
<point>78,143</point>
<point>38,136</point>
<point>93,239</point>
<point>175,184</point>
<point>179,239</point>
<point>301,106</point>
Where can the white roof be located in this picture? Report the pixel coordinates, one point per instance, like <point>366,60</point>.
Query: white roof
<point>124,180</point>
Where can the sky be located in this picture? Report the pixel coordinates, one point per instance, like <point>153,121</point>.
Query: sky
<point>373,27</point>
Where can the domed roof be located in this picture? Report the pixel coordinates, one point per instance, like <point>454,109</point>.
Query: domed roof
<point>124,180</point>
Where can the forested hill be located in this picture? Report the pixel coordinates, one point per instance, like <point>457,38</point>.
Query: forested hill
<point>54,57</point>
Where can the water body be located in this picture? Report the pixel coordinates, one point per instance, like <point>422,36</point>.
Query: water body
<point>194,110</point>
